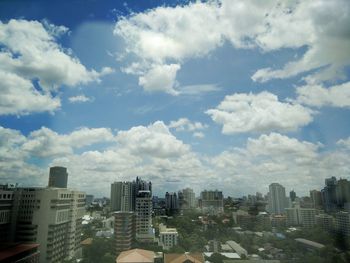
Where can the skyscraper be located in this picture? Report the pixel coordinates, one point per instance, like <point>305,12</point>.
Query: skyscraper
<point>329,196</point>
<point>171,203</point>
<point>292,195</point>
<point>124,230</point>
<point>277,199</point>
<point>144,229</point>
<point>212,202</point>
<point>122,196</point>
<point>58,177</point>
<point>316,198</point>
<point>188,198</point>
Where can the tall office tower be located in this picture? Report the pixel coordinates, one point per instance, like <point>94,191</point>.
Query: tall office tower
<point>58,177</point>
<point>316,199</point>
<point>277,199</point>
<point>342,191</point>
<point>144,230</point>
<point>342,223</point>
<point>329,196</point>
<point>6,205</point>
<point>171,203</point>
<point>189,198</point>
<point>122,195</point>
<point>124,230</point>
<point>51,217</point>
<point>292,195</point>
<point>212,202</point>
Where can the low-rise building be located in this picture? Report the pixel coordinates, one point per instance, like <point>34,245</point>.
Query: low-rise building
<point>184,258</point>
<point>168,237</point>
<point>136,256</point>
<point>237,248</point>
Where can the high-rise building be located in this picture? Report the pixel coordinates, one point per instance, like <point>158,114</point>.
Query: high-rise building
<point>342,191</point>
<point>188,198</point>
<point>329,197</point>
<point>212,202</point>
<point>51,217</point>
<point>277,199</point>
<point>124,230</point>
<point>122,196</point>
<point>308,217</point>
<point>171,203</point>
<point>144,229</point>
<point>316,199</point>
<point>58,177</point>
<point>292,195</point>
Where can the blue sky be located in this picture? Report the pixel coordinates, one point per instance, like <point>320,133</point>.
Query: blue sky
<point>224,94</point>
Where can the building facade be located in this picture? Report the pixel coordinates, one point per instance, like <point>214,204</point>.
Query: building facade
<point>144,229</point>
<point>124,230</point>
<point>58,177</point>
<point>212,202</point>
<point>168,237</point>
<point>277,200</point>
<point>51,217</point>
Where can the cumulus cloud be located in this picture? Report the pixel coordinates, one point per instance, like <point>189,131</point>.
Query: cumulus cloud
<point>278,158</point>
<point>318,95</point>
<point>153,153</point>
<point>184,124</point>
<point>160,78</point>
<point>80,99</point>
<point>154,140</point>
<point>166,34</point>
<point>47,143</point>
<point>261,112</point>
<point>344,143</point>
<point>31,53</point>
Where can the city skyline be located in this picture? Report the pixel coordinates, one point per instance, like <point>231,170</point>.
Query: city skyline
<point>207,95</point>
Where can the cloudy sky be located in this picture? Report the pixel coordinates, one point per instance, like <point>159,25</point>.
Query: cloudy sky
<point>228,94</point>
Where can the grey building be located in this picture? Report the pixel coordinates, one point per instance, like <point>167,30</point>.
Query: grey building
<point>58,177</point>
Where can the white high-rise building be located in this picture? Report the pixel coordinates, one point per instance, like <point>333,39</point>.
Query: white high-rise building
<point>51,217</point>
<point>277,199</point>
<point>189,197</point>
<point>122,194</point>
<point>144,229</point>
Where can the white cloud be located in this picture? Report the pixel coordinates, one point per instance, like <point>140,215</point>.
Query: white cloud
<point>30,52</point>
<point>160,78</point>
<point>179,33</point>
<point>79,99</point>
<point>318,95</point>
<point>154,140</point>
<point>261,112</point>
<point>184,124</point>
<point>18,96</point>
<point>344,143</point>
<point>47,143</point>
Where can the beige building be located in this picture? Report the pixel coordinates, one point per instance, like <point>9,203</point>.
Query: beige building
<point>52,218</point>
<point>136,256</point>
<point>168,237</point>
<point>144,229</point>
